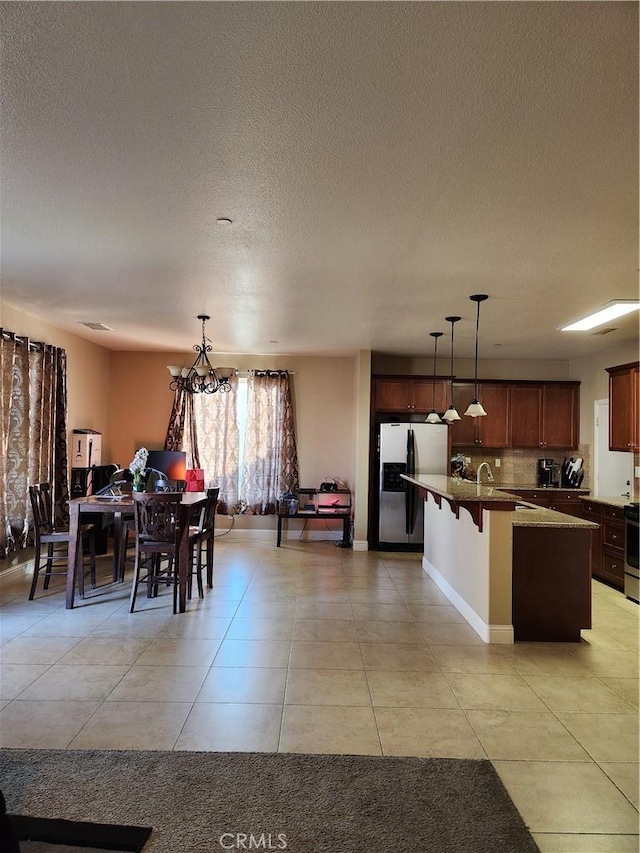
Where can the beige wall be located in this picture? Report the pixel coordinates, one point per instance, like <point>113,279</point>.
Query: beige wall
<point>594,382</point>
<point>324,398</point>
<point>88,369</point>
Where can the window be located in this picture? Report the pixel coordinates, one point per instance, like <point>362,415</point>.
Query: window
<point>245,442</point>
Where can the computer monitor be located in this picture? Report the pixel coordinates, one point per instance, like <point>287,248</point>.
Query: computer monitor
<point>173,463</point>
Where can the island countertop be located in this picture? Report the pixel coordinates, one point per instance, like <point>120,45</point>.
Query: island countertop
<point>460,491</point>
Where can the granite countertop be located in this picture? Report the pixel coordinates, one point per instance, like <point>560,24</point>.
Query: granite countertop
<point>530,487</point>
<point>608,500</point>
<point>461,490</point>
<point>539,516</point>
<point>533,516</point>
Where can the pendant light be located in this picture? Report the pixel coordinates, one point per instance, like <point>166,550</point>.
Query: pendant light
<point>475,409</point>
<point>451,414</point>
<point>433,417</point>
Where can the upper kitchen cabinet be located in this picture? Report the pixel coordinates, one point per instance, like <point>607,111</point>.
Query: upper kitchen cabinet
<point>408,395</point>
<point>624,407</point>
<point>545,415</point>
<point>490,431</point>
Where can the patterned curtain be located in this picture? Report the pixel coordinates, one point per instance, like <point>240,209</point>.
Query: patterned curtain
<point>215,418</point>
<point>182,418</point>
<point>270,465</point>
<point>33,433</point>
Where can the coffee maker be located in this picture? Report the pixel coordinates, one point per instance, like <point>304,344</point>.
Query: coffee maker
<point>547,473</point>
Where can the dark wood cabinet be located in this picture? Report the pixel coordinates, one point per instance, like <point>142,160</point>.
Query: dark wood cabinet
<point>624,407</point>
<point>607,543</point>
<point>545,415</point>
<point>403,394</point>
<point>541,415</point>
<point>492,431</point>
<point>593,512</point>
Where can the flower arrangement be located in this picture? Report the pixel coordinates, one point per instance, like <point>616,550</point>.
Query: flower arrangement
<point>138,466</point>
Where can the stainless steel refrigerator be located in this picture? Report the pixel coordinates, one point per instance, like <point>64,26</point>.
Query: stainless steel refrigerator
<point>413,449</point>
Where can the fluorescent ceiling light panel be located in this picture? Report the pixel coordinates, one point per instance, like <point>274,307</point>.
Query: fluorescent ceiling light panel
<point>611,311</point>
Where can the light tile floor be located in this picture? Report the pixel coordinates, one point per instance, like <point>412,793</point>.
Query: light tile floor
<point>310,648</point>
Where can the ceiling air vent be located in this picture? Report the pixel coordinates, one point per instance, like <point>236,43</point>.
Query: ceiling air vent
<point>97,327</point>
<point>605,331</point>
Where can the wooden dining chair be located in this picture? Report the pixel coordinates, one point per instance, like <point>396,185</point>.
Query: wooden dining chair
<point>52,543</point>
<point>156,516</point>
<point>201,537</point>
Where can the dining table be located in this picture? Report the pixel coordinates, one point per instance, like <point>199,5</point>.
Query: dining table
<point>121,507</point>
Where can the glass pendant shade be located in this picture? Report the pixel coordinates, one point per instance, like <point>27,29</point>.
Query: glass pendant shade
<point>475,409</point>
<point>433,417</point>
<point>451,415</point>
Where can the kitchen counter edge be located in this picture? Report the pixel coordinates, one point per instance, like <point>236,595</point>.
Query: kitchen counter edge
<point>533,516</point>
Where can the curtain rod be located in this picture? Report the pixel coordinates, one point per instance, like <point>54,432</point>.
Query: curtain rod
<point>36,346</point>
<point>263,371</point>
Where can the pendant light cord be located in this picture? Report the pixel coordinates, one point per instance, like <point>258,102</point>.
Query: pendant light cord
<point>477,333</point>
<point>435,336</point>
<point>433,387</point>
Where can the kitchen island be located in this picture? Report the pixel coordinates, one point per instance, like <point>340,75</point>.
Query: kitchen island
<point>515,571</point>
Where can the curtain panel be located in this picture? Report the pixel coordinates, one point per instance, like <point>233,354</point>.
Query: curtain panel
<point>215,429</point>
<point>270,464</point>
<point>182,419</point>
<point>33,433</point>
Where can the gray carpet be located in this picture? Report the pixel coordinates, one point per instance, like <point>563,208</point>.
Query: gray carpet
<point>200,801</point>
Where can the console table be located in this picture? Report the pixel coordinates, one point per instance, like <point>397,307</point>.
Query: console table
<point>328,505</point>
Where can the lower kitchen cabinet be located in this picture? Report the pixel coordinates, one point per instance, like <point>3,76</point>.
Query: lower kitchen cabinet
<point>593,512</point>
<point>607,542</point>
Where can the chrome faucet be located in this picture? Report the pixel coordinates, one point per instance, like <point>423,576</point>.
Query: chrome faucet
<point>489,473</point>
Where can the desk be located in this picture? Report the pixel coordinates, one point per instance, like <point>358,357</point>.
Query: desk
<point>330,515</point>
<point>119,508</point>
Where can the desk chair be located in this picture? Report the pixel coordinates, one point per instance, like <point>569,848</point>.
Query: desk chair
<point>156,526</point>
<point>46,534</point>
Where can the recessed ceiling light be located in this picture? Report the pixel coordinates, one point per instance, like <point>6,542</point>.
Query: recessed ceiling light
<point>224,220</point>
<point>611,311</point>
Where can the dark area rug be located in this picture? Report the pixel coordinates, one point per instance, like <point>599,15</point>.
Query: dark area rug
<point>212,801</point>
<point>79,835</point>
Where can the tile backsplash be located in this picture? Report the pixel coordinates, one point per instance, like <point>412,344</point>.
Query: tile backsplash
<point>520,467</point>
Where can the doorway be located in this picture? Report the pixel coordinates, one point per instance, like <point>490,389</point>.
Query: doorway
<point>612,469</point>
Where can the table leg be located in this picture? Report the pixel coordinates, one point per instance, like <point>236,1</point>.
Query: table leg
<point>210,561</point>
<point>279,531</point>
<point>72,557</point>
<point>346,524</point>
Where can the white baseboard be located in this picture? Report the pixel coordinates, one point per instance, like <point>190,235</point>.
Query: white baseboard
<point>360,545</point>
<point>502,634</point>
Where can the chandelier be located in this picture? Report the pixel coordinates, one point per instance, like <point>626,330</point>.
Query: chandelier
<point>201,377</point>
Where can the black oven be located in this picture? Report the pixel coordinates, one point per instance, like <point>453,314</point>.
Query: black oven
<point>631,573</point>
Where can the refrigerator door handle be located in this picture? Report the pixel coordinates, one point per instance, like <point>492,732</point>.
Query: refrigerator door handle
<point>409,492</point>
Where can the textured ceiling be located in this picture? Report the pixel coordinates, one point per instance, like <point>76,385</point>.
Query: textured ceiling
<point>380,161</point>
